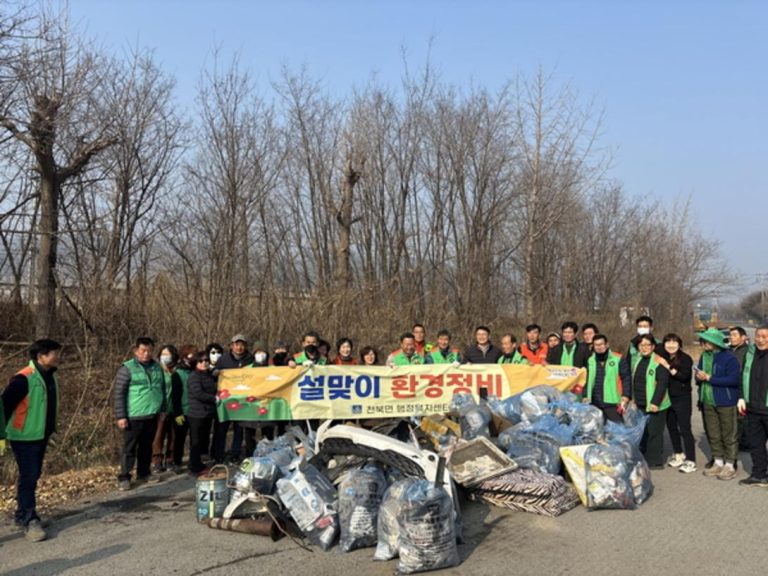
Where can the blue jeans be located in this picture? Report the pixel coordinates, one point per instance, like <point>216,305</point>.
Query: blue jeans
<point>29,459</point>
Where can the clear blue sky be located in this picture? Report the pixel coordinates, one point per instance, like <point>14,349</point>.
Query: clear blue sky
<point>683,83</point>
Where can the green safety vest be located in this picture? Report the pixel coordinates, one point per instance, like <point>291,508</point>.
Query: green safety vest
<point>612,380</point>
<point>746,374</point>
<point>302,357</point>
<point>27,422</point>
<point>566,358</point>
<point>146,391</point>
<point>706,393</point>
<point>650,383</point>
<point>184,375</point>
<point>400,359</point>
<point>517,358</point>
<point>438,358</point>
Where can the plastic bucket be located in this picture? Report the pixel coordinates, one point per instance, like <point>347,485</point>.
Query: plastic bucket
<point>212,494</point>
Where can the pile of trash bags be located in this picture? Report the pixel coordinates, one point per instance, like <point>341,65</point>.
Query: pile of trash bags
<point>370,504</point>
<point>612,473</point>
<point>364,501</point>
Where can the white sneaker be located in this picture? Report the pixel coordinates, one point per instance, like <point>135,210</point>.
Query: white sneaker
<point>687,467</point>
<point>676,460</point>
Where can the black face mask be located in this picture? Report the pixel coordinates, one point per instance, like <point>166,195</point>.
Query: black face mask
<point>280,359</point>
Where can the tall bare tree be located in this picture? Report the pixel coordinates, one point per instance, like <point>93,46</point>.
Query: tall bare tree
<point>51,102</point>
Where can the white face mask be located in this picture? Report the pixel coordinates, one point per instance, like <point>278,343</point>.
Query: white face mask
<point>166,359</point>
<point>214,356</point>
<point>260,357</point>
<point>642,331</point>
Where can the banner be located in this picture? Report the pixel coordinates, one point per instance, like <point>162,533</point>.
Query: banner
<point>343,392</point>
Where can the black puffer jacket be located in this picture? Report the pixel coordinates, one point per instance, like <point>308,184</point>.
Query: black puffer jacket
<point>202,394</point>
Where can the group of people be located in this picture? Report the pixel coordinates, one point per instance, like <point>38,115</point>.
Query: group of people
<point>161,399</point>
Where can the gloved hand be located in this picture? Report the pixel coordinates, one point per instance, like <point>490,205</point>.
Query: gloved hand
<point>308,363</point>
<point>2,447</point>
<point>742,406</point>
<point>456,364</point>
<point>180,420</point>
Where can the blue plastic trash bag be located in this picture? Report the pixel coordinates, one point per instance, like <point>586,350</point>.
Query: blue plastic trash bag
<point>587,421</point>
<point>537,446</point>
<point>509,408</point>
<point>631,431</point>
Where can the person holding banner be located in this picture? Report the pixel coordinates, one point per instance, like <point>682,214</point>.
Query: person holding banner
<point>509,352</point>
<point>483,351</point>
<point>406,355</point>
<point>310,340</point>
<point>369,356</point>
<point>444,353</point>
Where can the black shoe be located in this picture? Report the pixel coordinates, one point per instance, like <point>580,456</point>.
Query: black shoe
<point>752,481</point>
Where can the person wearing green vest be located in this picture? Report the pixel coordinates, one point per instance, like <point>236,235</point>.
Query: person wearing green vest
<point>30,405</point>
<point>648,381</point>
<point>180,403</point>
<point>443,353</point>
<point>162,445</point>
<point>509,352</point>
<point>753,402</point>
<point>139,397</point>
<point>309,354</point>
<point>570,352</point>
<point>605,388</point>
<point>423,348</point>
<point>406,355</point>
<point>718,376</point>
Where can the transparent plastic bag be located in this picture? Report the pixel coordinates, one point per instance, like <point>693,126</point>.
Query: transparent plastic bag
<point>474,420</point>
<point>360,496</point>
<point>607,471</point>
<point>256,474</point>
<point>388,530</point>
<point>640,473</point>
<point>631,431</point>
<point>312,501</point>
<point>427,530</point>
<point>535,402</point>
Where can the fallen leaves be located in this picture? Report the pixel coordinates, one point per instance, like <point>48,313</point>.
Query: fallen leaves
<point>57,490</point>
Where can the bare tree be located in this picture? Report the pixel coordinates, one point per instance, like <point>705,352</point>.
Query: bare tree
<point>558,165</point>
<point>51,103</point>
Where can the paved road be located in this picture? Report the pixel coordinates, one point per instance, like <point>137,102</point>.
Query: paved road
<point>691,525</point>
